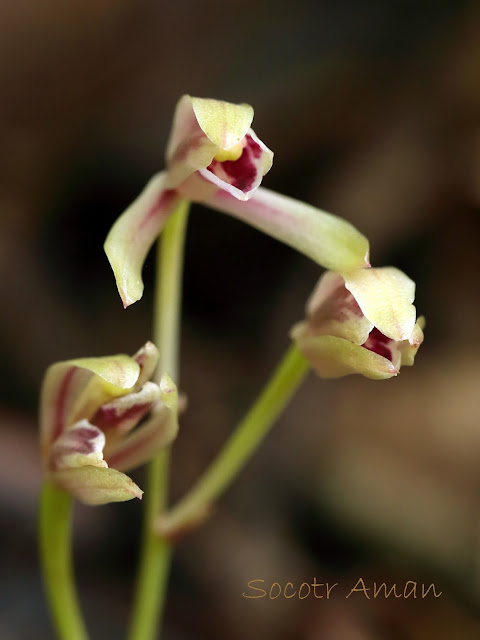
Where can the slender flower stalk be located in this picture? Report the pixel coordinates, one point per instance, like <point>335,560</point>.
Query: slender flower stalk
<point>155,553</point>
<point>239,448</point>
<point>55,525</point>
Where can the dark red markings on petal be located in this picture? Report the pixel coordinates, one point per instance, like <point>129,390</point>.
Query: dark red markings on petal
<point>377,342</point>
<point>139,444</point>
<point>343,305</point>
<point>109,417</point>
<point>192,143</point>
<point>84,437</point>
<point>161,201</point>
<point>60,404</point>
<point>254,148</point>
<point>241,172</point>
<point>140,358</point>
<point>339,306</point>
<point>79,440</point>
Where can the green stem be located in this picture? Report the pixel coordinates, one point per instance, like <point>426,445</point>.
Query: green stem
<point>240,446</point>
<point>155,554</point>
<point>55,532</point>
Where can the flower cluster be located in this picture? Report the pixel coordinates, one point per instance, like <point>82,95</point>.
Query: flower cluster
<point>359,319</point>
<point>89,423</point>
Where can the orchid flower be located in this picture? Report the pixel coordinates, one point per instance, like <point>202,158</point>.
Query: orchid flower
<point>361,321</point>
<point>214,157</point>
<point>89,412</point>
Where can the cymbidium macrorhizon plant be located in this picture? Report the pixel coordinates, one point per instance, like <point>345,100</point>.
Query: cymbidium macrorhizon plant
<point>102,416</point>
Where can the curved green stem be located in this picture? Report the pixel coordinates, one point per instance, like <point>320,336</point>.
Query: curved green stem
<point>240,446</point>
<point>55,532</point>
<point>155,553</point>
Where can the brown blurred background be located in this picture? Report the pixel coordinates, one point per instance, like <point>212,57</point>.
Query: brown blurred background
<point>373,110</point>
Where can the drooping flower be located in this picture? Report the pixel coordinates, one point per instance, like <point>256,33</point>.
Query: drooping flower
<point>362,321</point>
<point>214,157</point>
<point>89,423</point>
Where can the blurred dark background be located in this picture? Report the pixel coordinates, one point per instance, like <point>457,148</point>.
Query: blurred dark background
<point>373,110</point>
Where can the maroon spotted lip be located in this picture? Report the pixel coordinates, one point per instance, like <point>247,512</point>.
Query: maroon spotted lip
<point>241,173</point>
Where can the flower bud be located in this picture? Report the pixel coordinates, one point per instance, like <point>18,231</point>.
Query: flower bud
<point>89,423</point>
<point>361,321</point>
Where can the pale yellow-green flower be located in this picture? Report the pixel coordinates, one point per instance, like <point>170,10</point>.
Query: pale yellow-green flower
<point>90,412</point>
<point>361,321</point>
<point>214,157</point>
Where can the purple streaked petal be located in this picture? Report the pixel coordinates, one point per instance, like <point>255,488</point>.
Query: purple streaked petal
<point>133,234</point>
<point>156,433</point>
<point>82,444</point>
<point>75,389</point>
<point>188,148</point>
<point>328,240</point>
<point>332,310</point>
<point>122,414</point>
<point>141,445</point>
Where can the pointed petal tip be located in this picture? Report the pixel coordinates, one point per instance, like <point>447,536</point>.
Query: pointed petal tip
<point>96,486</point>
<point>131,236</point>
<point>332,357</point>
<point>128,302</point>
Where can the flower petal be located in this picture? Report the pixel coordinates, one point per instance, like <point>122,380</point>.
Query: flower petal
<point>80,445</point>
<point>156,433</point>
<point>328,240</point>
<point>385,296</point>
<point>95,485</point>
<point>75,389</point>
<point>133,234</point>
<point>332,310</point>
<point>333,357</point>
<point>122,414</point>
